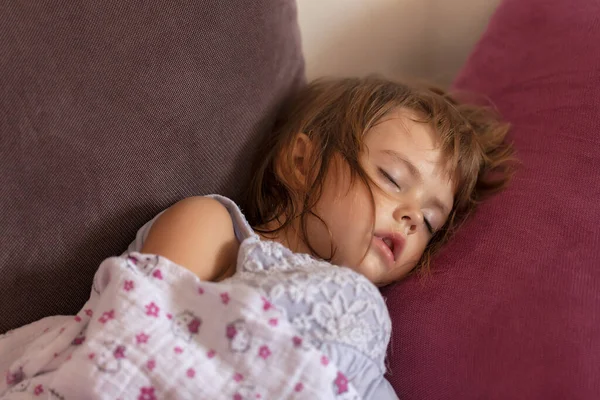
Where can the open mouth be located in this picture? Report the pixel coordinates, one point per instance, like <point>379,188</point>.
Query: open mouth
<point>391,245</point>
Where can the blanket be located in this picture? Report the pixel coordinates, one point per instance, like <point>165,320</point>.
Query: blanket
<point>152,330</point>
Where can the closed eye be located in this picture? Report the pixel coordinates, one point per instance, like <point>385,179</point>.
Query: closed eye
<point>388,177</point>
<point>429,227</point>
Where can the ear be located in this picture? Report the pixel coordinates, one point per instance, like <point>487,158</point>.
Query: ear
<point>301,155</point>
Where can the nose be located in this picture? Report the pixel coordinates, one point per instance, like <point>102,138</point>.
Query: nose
<point>409,218</point>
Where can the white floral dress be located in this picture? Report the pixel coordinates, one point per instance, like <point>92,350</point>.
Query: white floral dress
<point>338,310</point>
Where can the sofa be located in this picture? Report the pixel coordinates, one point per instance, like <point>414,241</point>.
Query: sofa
<point>112,111</point>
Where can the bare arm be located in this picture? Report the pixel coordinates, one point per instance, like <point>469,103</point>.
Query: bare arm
<point>196,233</point>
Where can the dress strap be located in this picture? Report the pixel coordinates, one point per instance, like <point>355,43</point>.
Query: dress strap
<point>242,228</point>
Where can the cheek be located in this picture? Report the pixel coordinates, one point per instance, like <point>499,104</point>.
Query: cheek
<point>355,224</point>
<point>347,211</point>
<point>414,251</point>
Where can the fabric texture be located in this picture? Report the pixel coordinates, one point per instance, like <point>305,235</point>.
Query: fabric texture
<point>285,325</point>
<point>334,309</point>
<point>112,111</point>
<point>152,330</point>
<point>512,309</point>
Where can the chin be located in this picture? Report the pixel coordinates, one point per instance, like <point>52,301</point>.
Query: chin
<point>372,271</point>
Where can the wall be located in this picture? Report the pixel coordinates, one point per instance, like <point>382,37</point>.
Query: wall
<point>427,39</point>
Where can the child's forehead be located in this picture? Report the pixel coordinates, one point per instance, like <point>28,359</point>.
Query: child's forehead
<point>403,136</point>
<point>402,131</point>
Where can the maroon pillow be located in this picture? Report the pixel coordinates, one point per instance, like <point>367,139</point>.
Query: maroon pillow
<point>111,111</point>
<point>513,307</point>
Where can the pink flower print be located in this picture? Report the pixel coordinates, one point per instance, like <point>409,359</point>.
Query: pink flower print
<point>324,360</point>
<point>141,338</point>
<point>152,309</point>
<point>297,341</point>
<point>119,352</point>
<point>78,340</point>
<point>225,298</point>
<point>299,386</point>
<point>151,364</point>
<point>273,322</point>
<point>157,274</point>
<point>107,316</point>
<point>264,352</point>
<point>147,393</point>
<point>178,350</point>
<point>14,377</point>
<point>128,285</point>
<point>77,318</point>
<point>200,290</point>
<point>237,396</point>
<point>169,316</point>
<point>194,325</point>
<point>89,312</point>
<point>211,354</point>
<point>231,331</point>
<point>39,389</point>
<point>190,373</point>
<point>266,304</point>
<point>238,377</point>
<point>91,356</point>
<point>341,382</point>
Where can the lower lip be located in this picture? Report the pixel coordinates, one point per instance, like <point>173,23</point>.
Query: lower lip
<point>385,251</point>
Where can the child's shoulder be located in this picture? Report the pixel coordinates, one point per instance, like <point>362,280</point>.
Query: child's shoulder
<point>197,233</point>
<point>201,205</point>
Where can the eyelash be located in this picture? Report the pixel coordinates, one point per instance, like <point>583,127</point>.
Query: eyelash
<point>429,227</point>
<point>393,182</point>
<point>388,177</point>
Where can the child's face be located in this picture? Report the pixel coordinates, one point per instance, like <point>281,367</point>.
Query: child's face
<point>404,160</point>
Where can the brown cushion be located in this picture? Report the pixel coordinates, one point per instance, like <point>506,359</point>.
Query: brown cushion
<point>112,111</point>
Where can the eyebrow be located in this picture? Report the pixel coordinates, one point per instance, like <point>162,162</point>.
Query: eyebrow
<point>416,174</point>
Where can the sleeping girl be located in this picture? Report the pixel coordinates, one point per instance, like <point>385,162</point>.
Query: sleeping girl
<point>359,184</point>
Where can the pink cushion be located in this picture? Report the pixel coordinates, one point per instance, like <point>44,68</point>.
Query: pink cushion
<point>513,308</point>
